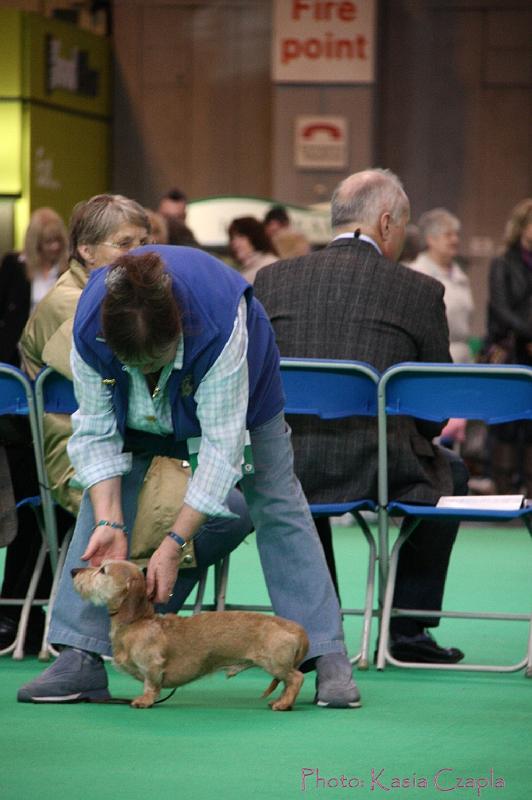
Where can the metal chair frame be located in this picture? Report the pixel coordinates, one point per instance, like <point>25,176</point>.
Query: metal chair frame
<point>17,397</point>
<point>492,393</point>
<point>332,389</point>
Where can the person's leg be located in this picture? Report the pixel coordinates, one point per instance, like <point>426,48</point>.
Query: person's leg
<point>505,456</point>
<point>298,581</point>
<point>214,540</point>
<point>422,571</point>
<point>76,622</point>
<point>22,552</point>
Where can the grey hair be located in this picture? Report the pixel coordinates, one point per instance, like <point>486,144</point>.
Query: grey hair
<point>93,220</point>
<point>436,221</point>
<point>364,196</point>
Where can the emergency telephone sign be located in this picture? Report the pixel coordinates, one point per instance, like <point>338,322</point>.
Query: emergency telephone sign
<point>320,142</point>
<point>321,41</point>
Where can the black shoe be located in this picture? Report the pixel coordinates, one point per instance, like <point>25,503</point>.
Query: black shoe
<point>34,634</point>
<point>423,649</point>
<point>8,631</point>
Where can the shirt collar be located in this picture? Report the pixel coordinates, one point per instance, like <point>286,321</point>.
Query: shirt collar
<point>362,237</point>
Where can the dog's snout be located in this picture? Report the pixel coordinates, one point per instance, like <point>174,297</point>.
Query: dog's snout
<point>75,571</point>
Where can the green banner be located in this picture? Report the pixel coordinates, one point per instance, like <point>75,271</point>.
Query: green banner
<point>69,159</point>
<point>55,107</point>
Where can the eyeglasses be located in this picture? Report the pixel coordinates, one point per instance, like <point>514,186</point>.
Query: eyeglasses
<point>127,244</point>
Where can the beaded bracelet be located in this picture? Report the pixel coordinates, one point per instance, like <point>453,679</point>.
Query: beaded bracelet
<point>107,524</point>
<point>177,538</point>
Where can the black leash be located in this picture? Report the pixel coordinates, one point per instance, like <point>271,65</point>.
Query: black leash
<point>126,701</point>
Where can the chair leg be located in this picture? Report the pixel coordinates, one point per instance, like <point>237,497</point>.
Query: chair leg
<point>528,668</point>
<point>18,652</point>
<point>221,577</point>
<point>200,594</point>
<point>362,660</point>
<point>46,649</point>
<point>384,632</point>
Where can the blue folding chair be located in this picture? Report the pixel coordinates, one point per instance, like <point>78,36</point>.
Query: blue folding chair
<point>333,389</point>
<point>494,394</point>
<point>54,394</point>
<point>16,398</point>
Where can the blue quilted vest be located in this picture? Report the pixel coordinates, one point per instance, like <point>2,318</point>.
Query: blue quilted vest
<point>208,293</point>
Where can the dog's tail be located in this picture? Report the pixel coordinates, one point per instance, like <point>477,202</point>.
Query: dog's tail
<point>271,688</point>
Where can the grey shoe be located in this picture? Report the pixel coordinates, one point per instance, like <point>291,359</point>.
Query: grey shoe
<point>76,676</point>
<point>335,687</point>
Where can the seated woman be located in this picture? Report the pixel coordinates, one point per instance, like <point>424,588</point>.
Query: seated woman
<point>27,276</point>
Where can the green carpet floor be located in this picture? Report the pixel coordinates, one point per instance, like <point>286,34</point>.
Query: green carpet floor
<point>469,732</point>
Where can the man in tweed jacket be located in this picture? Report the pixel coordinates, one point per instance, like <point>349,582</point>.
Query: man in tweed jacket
<point>352,300</point>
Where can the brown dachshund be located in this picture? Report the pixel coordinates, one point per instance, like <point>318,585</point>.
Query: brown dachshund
<point>168,650</point>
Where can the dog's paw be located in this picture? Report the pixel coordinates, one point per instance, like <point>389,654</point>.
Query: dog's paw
<point>280,705</point>
<point>142,702</point>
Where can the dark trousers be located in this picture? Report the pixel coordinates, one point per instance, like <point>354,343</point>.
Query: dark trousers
<point>323,526</point>
<point>423,563</point>
<point>22,553</point>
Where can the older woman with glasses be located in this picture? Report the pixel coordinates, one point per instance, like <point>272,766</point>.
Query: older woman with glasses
<point>101,229</point>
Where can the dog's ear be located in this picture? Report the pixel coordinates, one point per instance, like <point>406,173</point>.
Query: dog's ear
<point>135,604</point>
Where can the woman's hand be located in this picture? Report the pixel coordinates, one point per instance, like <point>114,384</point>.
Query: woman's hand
<point>163,567</point>
<point>105,542</point>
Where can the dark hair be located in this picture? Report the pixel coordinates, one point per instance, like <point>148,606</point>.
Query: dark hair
<point>140,316</point>
<point>254,230</point>
<point>277,213</point>
<point>180,234</point>
<point>174,194</point>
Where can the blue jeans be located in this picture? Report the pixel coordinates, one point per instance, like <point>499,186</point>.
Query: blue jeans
<point>291,554</point>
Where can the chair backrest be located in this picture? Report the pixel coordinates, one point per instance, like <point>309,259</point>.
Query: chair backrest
<point>489,392</point>
<point>329,388</point>
<point>55,393</point>
<point>493,393</point>
<point>16,397</point>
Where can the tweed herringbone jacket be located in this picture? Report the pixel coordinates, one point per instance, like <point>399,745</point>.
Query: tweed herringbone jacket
<point>349,302</point>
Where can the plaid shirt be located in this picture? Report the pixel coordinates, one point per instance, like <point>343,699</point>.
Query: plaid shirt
<point>95,447</point>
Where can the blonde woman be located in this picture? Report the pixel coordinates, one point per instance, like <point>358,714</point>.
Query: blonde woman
<point>26,277</point>
<point>45,252</point>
